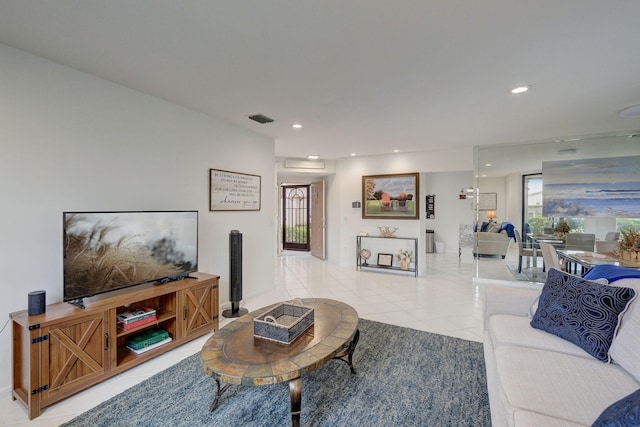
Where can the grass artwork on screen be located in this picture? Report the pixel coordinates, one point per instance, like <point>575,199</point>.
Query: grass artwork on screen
<point>104,251</point>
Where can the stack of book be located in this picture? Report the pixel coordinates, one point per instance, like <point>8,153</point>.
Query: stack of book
<point>148,340</point>
<point>132,319</point>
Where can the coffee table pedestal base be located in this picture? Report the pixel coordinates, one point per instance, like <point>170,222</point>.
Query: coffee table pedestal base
<point>295,385</point>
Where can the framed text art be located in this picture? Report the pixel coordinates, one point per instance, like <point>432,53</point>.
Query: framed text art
<point>233,191</point>
<point>390,196</point>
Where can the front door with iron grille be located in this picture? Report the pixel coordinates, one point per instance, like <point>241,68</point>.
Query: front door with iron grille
<point>295,217</point>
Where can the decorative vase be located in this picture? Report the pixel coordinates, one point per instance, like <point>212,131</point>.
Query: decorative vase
<point>404,264</point>
<point>387,231</point>
<point>630,255</point>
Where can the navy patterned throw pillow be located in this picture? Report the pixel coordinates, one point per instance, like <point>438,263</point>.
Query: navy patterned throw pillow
<point>624,413</point>
<point>582,312</point>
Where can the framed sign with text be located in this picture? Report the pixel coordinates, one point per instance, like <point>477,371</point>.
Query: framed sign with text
<point>233,191</point>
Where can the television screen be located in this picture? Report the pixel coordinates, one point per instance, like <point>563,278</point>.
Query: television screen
<point>105,251</point>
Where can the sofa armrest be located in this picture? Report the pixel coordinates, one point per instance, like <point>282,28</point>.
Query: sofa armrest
<point>508,300</point>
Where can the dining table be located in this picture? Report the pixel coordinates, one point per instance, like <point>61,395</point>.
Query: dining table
<point>533,241</point>
<point>586,260</point>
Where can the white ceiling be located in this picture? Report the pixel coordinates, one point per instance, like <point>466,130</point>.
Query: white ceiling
<point>363,76</point>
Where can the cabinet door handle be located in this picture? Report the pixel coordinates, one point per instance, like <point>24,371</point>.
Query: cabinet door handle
<point>106,341</point>
<point>184,312</point>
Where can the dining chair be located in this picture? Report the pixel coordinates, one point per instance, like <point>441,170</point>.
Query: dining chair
<point>612,236</point>
<point>609,244</point>
<point>550,256</point>
<point>580,242</point>
<point>522,250</point>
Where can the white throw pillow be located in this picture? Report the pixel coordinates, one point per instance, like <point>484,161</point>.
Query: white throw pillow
<point>626,344</point>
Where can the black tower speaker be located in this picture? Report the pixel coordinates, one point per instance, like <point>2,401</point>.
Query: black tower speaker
<point>235,275</point>
<point>36,303</point>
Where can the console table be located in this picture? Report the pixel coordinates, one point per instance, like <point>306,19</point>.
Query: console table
<point>360,264</point>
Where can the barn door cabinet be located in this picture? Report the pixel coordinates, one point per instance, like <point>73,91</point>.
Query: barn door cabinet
<point>67,349</point>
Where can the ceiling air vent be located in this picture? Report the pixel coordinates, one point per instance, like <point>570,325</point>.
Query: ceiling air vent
<point>261,118</point>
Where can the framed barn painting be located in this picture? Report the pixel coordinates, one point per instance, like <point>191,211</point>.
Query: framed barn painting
<point>393,196</point>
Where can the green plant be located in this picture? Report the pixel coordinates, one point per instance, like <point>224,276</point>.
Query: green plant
<point>296,234</point>
<point>537,224</point>
<point>627,223</point>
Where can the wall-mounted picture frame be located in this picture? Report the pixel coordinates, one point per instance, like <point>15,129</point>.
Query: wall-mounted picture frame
<point>234,191</point>
<point>486,202</point>
<point>385,260</point>
<point>391,196</point>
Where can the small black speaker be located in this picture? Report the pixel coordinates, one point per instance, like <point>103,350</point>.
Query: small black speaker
<point>37,302</point>
<point>235,275</point>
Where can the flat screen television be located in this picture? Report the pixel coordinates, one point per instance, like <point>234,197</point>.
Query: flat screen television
<point>105,251</point>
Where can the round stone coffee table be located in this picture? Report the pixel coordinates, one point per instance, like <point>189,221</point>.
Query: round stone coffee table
<point>233,356</point>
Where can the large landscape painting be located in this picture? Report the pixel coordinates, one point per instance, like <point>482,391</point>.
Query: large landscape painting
<point>390,196</point>
<point>606,187</point>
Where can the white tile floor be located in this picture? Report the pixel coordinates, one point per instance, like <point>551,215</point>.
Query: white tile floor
<point>445,300</point>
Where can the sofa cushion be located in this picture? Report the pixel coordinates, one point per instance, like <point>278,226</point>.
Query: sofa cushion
<point>582,312</point>
<point>624,412</point>
<point>506,329</point>
<point>534,306</point>
<point>494,227</point>
<point>576,389</point>
<point>626,344</point>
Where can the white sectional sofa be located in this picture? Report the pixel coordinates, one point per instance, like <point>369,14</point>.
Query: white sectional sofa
<point>492,243</point>
<point>535,378</point>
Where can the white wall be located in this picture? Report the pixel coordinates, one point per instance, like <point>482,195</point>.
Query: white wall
<point>345,222</point>
<point>72,142</point>
<point>498,186</point>
<point>450,210</point>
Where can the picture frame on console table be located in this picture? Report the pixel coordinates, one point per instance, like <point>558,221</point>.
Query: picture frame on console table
<point>385,260</point>
<point>234,191</point>
<point>391,196</point>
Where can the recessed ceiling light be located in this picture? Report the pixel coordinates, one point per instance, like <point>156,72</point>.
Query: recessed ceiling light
<point>353,154</point>
<point>520,89</point>
<point>296,126</point>
<point>313,157</point>
<point>488,164</point>
<point>396,151</point>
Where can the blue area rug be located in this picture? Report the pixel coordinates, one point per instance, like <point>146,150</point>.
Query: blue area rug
<point>528,274</point>
<point>404,378</point>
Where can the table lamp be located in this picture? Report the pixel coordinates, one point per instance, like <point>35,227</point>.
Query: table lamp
<point>491,215</point>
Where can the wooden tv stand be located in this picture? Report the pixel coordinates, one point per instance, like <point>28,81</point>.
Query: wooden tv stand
<point>67,349</point>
